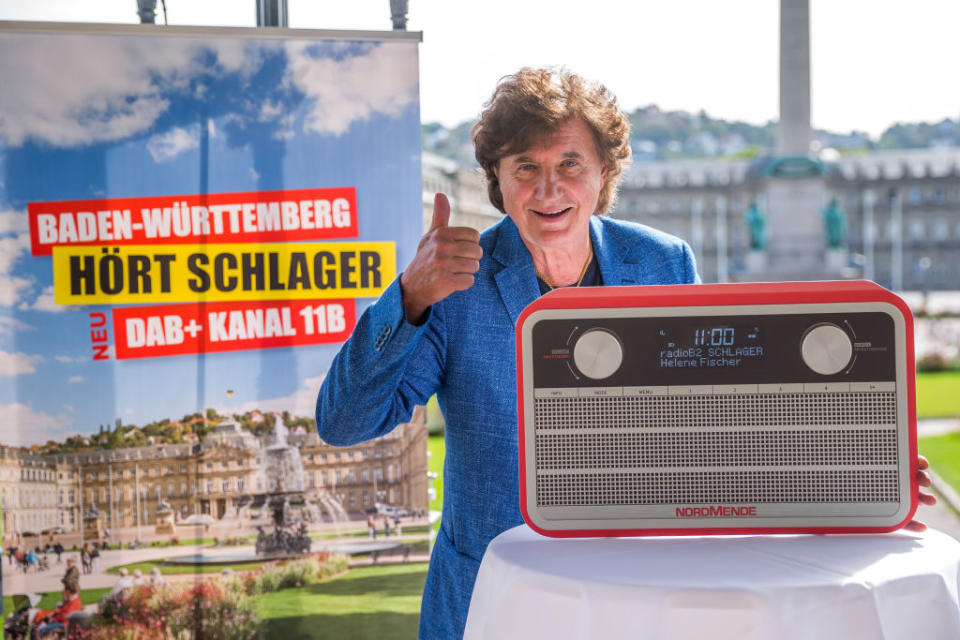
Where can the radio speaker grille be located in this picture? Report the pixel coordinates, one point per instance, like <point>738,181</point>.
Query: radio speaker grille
<point>604,489</point>
<point>722,410</point>
<point>717,448</point>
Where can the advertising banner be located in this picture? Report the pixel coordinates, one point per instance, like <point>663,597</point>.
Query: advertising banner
<point>191,222</point>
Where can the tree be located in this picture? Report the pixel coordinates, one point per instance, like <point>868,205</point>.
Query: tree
<point>115,440</point>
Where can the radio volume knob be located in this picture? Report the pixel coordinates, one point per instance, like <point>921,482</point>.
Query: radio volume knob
<point>826,349</point>
<point>598,354</point>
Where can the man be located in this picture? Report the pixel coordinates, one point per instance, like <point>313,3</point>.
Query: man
<point>71,579</point>
<point>85,558</point>
<point>56,620</point>
<point>94,559</point>
<point>552,147</point>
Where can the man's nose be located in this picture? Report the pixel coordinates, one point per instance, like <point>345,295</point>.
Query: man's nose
<point>549,185</point>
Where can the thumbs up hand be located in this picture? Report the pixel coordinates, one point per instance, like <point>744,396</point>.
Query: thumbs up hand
<point>446,259</point>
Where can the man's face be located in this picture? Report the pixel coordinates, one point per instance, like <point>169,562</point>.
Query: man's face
<point>551,189</point>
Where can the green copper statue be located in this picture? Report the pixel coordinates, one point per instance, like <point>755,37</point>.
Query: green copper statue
<point>835,224</point>
<point>757,225</point>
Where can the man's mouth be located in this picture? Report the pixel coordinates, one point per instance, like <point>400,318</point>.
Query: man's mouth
<point>551,214</point>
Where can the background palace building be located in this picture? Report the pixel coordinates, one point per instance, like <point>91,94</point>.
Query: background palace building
<point>902,210</point>
<point>221,475</point>
<point>800,211</point>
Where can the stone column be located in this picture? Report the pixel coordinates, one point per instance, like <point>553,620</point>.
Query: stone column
<point>796,190</point>
<point>794,133</point>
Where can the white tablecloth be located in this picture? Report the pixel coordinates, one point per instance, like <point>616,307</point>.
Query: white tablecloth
<point>897,586</point>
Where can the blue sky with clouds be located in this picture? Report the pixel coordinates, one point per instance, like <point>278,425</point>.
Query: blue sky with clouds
<point>85,117</point>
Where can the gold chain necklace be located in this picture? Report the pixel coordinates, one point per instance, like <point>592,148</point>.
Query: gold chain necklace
<point>583,271</point>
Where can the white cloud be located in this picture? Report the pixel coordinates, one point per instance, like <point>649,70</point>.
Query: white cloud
<point>12,288</point>
<point>167,146</point>
<point>45,302</point>
<point>240,55</point>
<point>270,110</point>
<point>11,248</point>
<point>73,90</point>
<point>75,379</point>
<point>285,127</point>
<point>9,324</point>
<point>302,402</point>
<point>16,364</point>
<point>13,221</point>
<point>24,426</point>
<point>381,80</point>
<point>68,359</point>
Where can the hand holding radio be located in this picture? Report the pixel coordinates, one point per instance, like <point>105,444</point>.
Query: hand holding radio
<point>446,259</point>
<point>923,479</point>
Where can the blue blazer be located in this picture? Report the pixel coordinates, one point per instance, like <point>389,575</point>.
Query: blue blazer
<point>465,353</point>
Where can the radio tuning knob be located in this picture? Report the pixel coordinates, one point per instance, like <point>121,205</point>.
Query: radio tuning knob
<point>598,354</point>
<point>826,349</point>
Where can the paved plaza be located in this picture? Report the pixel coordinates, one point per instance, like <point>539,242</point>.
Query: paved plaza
<point>15,581</point>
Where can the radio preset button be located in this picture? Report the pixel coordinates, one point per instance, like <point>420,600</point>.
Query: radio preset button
<point>598,354</point>
<point>826,349</point>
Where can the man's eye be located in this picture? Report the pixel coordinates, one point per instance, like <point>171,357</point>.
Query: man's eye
<point>570,163</point>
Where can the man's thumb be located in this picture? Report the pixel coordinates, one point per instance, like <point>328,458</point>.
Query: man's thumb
<point>441,212</point>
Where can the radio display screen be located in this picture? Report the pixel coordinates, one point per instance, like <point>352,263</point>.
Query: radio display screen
<point>711,345</point>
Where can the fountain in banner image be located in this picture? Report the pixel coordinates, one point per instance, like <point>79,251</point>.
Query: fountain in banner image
<point>283,472</point>
<point>165,524</point>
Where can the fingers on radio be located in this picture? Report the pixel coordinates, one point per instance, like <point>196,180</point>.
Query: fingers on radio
<point>916,526</point>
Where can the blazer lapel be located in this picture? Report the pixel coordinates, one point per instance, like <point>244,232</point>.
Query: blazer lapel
<point>517,281</point>
<point>611,251</point>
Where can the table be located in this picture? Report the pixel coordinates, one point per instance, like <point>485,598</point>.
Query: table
<point>896,586</point>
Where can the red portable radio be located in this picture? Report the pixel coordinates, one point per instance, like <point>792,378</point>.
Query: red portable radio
<point>722,408</point>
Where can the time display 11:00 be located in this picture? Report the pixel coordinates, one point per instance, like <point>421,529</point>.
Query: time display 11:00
<point>713,337</point>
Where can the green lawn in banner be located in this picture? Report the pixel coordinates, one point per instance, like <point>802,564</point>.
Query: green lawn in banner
<point>369,602</point>
<point>938,394</point>
<point>184,542</point>
<point>408,530</point>
<point>170,569</point>
<point>50,600</point>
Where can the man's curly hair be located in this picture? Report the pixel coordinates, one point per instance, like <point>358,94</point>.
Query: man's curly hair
<point>532,103</point>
